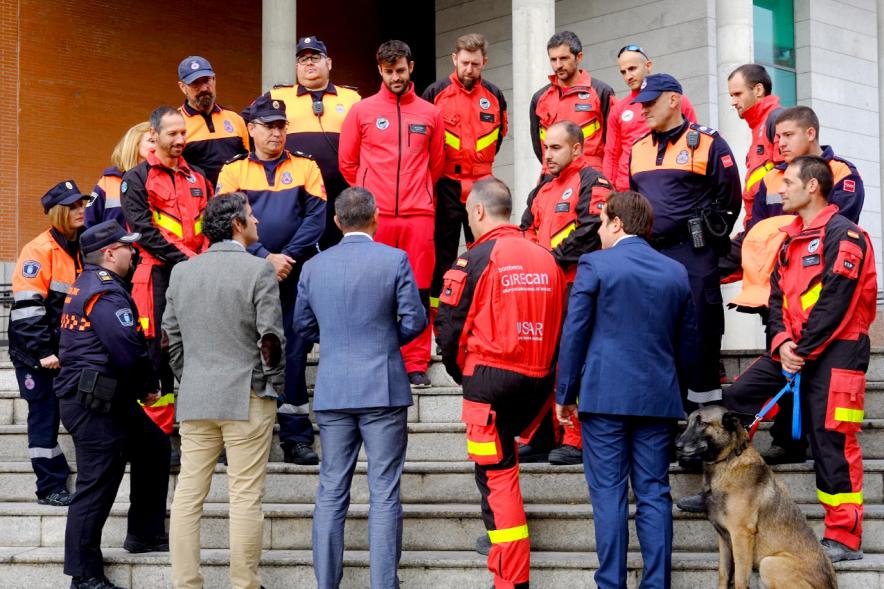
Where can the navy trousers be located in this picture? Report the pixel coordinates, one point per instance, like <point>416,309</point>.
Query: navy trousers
<point>47,459</point>
<point>293,416</point>
<point>616,450</point>
<point>342,433</point>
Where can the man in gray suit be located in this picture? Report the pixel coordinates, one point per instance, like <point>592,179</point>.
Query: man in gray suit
<point>362,298</point>
<point>223,321</point>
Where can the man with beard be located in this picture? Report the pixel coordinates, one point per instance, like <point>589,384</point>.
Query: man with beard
<point>474,112</point>
<point>392,143</point>
<point>214,134</point>
<point>163,200</point>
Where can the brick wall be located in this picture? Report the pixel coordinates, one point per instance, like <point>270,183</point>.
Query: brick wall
<point>8,127</point>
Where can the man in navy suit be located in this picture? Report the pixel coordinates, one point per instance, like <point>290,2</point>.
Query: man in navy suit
<point>629,334</point>
<point>362,298</point>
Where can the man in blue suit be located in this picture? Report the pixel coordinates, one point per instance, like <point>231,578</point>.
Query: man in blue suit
<point>362,298</point>
<point>629,334</point>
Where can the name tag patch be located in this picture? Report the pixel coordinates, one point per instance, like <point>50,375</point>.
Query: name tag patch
<point>563,207</point>
<point>486,117</point>
<point>583,107</point>
<point>422,129</point>
<point>196,192</point>
<point>813,260</point>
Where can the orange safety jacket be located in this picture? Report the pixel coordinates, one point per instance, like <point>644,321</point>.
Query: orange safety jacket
<point>758,256</point>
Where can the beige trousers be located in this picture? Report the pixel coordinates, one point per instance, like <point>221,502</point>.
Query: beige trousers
<point>248,449</point>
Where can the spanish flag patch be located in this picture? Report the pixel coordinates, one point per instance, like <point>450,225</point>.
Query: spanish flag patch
<point>853,234</point>
<point>461,262</point>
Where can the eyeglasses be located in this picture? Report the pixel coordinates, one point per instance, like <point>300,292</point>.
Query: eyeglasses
<point>117,246</point>
<point>632,47</point>
<point>275,125</point>
<point>312,58</point>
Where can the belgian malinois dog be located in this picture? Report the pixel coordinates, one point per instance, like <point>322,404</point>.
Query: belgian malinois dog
<point>759,525</point>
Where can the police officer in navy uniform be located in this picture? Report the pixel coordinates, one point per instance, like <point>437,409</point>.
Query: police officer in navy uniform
<point>105,371</point>
<point>688,173</point>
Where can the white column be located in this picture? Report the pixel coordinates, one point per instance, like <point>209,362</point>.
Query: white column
<point>533,25</point>
<point>278,41</point>
<point>734,44</point>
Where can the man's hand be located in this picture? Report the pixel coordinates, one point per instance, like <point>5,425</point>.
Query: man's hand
<point>152,398</point>
<point>282,265</point>
<point>565,414</point>
<point>50,362</point>
<point>791,361</point>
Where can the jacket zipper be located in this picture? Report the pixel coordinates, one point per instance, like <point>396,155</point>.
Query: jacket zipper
<point>398,161</point>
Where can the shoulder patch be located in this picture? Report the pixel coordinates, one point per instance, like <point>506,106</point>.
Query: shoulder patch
<point>705,130</point>
<point>601,180</point>
<point>461,262</point>
<point>124,187</point>
<point>125,317</point>
<point>353,88</point>
<point>849,186</point>
<point>301,154</point>
<point>275,86</point>
<point>30,268</point>
<point>104,276</point>
<point>237,157</point>
<point>853,234</point>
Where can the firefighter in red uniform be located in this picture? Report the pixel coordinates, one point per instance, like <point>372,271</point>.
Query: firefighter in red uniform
<point>563,216</point>
<point>392,145</point>
<point>499,319</point>
<point>474,113</point>
<point>163,200</point>
<point>822,302</point>
<point>750,89</point>
<point>571,95</point>
<point>625,121</point>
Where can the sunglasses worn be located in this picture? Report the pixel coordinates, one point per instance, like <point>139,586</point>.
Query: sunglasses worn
<point>632,47</point>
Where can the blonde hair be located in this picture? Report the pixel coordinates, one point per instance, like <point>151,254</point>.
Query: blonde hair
<point>125,155</point>
<point>471,42</point>
<point>60,218</point>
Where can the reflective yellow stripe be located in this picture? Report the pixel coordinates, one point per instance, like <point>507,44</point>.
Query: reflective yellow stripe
<point>590,129</point>
<point>144,321</point>
<point>434,302</point>
<point>481,448</point>
<point>839,498</point>
<point>810,298</point>
<point>452,140</point>
<point>487,140</point>
<point>164,401</point>
<point>508,534</point>
<point>785,302</point>
<point>561,235</point>
<point>198,226</point>
<point>542,134</point>
<point>758,175</point>
<point>851,415</point>
<point>168,223</point>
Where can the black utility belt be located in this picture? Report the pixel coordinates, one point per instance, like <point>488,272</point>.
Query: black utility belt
<point>96,391</point>
<point>673,238</point>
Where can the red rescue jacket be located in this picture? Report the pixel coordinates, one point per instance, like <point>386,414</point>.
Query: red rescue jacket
<point>394,147</point>
<point>824,285</point>
<point>586,103</point>
<point>501,306</point>
<point>763,153</point>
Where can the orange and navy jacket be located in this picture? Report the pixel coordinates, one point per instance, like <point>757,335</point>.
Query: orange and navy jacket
<point>166,207</point>
<point>763,153</point>
<point>848,191</point>
<point>317,136</point>
<point>214,138</point>
<point>824,285</point>
<point>626,124</point>
<point>105,203</point>
<point>586,103</point>
<point>394,147</point>
<point>501,306</point>
<point>563,214</point>
<point>46,270</point>
<point>287,197</point>
<point>680,181</point>
<point>475,125</point>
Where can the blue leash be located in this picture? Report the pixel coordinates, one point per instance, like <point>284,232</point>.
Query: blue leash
<point>793,385</point>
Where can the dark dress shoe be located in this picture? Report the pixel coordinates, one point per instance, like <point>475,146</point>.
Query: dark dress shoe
<point>693,503</point>
<point>529,454</point>
<point>60,498</point>
<point>483,544</point>
<point>836,551</point>
<point>300,453</point>
<point>566,454</point>
<point>779,455</point>
<point>419,380</point>
<point>93,583</point>
<point>137,545</point>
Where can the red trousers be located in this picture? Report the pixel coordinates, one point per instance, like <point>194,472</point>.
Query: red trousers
<point>414,235</point>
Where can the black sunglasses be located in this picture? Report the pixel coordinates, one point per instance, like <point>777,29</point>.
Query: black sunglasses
<point>632,47</point>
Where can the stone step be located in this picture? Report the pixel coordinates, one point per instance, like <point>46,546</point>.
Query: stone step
<point>41,568</point>
<point>426,527</point>
<point>447,482</point>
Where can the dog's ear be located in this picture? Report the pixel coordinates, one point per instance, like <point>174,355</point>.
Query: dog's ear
<point>731,421</point>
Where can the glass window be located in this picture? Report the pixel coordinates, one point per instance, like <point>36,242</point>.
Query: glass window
<point>774,37</point>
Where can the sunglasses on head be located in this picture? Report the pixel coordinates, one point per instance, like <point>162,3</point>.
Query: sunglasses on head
<point>632,47</point>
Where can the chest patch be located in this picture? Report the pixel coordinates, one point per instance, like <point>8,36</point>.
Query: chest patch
<point>419,129</point>
<point>191,178</point>
<point>567,194</point>
<point>583,96</point>
<point>682,157</point>
<point>583,107</point>
<point>627,115</point>
<point>381,123</point>
<point>812,260</point>
<point>286,178</point>
<point>563,207</point>
<point>30,268</point>
<point>813,245</point>
<point>228,126</point>
<point>486,117</point>
<point>484,103</point>
<point>339,107</point>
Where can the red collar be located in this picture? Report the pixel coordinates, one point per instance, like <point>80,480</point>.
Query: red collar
<point>797,225</point>
<point>584,81</point>
<point>153,160</point>
<point>404,98</point>
<point>565,175</point>
<point>456,81</point>
<point>757,113</point>
<point>505,230</point>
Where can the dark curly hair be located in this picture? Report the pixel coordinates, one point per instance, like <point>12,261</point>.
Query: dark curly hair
<point>220,214</point>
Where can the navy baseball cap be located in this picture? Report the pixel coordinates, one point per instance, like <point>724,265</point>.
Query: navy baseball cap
<point>63,193</point>
<point>194,67</point>
<point>265,110</point>
<point>656,84</point>
<point>311,44</point>
<point>104,234</point>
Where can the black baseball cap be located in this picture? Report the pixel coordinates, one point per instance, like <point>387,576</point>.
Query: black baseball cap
<point>656,84</point>
<point>194,67</point>
<point>63,193</point>
<point>265,110</point>
<point>104,234</point>
<point>310,44</point>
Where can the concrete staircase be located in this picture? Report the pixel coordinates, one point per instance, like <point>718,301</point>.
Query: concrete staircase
<point>441,503</point>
